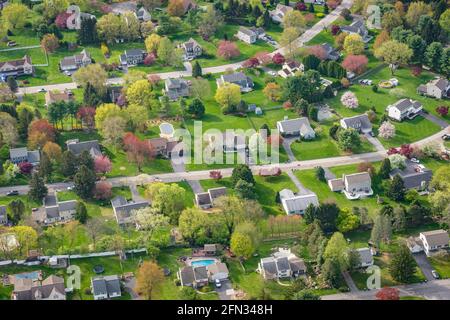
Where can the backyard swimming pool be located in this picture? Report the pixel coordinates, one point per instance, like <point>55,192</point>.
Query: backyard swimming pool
<point>202,263</point>
<point>28,275</point>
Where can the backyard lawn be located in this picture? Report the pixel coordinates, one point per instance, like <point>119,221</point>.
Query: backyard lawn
<point>441,265</point>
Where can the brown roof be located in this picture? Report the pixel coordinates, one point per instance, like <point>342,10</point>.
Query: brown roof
<point>218,267</point>
<point>158,143</point>
<point>56,96</point>
<point>18,62</point>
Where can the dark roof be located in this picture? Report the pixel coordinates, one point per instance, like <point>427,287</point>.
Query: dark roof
<point>93,147</point>
<point>106,285</point>
<point>187,275</point>
<point>217,192</point>
<point>269,266</point>
<point>282,264</point>
<point>413,175</point>
<point>200,273</point>
<point>203,198</point>
<point>296,264</point>
<point>237,77</point>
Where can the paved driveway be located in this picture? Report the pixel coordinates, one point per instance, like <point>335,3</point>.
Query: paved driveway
<point>430,117</point>
<point>287,147</point>
<point>226,285</point>
<point>424,265</point>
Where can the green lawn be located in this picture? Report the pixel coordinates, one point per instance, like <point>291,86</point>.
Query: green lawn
<point>441,265</point>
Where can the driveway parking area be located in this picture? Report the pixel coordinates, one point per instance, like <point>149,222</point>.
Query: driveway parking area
<point>424,265</point>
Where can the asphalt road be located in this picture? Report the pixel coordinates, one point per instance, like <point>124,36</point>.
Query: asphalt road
<point>432,290</point>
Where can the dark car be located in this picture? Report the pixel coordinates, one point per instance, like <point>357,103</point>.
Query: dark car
<point>13,193</point>
<point>446,136</point>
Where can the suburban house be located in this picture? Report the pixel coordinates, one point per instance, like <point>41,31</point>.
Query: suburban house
<point>365,257</point>
<point>218,271</point>
<point>331,53</point>
<point>205,200</point>
<point>245,83</point>
<point>414,244</point>
<point>361,123</point>
<point>355,186</point>
<point>270,172</point>
<point>162,146</point>
<point>438,88</point>
<point>3,216</point>
<point>143,15</point>
<point>191,276</point>
<point>358,27</point>
<point>106,287</point>
<point>74,20</point>
<point>404,109</point>
<point>199,276</point>
<point>297,204</point>
<point>51,288</point>
<point>114,92</point>
<point>282,264</point>
<point>192,49</point>
<point>53,96</point>
<point>176,88</point>
<point>75,62</point>
<point>132,57</point>
<point>18,155</point>
<point>280,11</point>
<point>414,176</point>
<point>296,127</point>
<point>54,210</point>
<point>77,147</point>
<point>247,35</point>
<point>289,69</point>
<point>434,240</point>
<point>16,68</point>
<point>123,209</point>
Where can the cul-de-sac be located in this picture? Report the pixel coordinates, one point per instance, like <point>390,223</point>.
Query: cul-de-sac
<point>224,150</point>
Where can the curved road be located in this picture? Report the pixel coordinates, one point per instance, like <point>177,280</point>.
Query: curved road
<point>305,37</point>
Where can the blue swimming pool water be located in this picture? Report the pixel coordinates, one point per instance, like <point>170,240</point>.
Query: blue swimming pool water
<point>202,263</point>
<point>29,275</point>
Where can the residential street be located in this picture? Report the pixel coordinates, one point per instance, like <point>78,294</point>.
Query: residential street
<point>432,290</point>
<point>226,172</point>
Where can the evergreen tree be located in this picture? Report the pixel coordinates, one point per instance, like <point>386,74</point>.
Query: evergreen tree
<point>85,159</point>
<point>266,17</point>
<point>326,10</point>
<point>84,182</point>
<point>12,83</point>
<point>311,62</point>
<point>242,172</point>
<point>15,211</point>
<point>320,174</point>
<point>45,167</point>
<point>90,96</point>
<point>37,190</point>
<point>245,189</point>
<point>402,266</point>
<point>81,212</point>
<point>88,32</point>
<point>68,164</point>
<point>196,108</point>
<point>396,190</point>
<point>385,169</point>
<point>399,222</point>
<point>197,70</point>
<point>24,119</point>
<point>256,12</point>
<point>311,8</point>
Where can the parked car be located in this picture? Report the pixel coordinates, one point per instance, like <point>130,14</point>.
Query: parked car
<point>435,274</point>
<point>13,193</point>
<point>446,136</point>
<point>11,43</point>
<point>218,283</point>
<point>42,90</point>
<point>272,73</point>
<point>415,160</point>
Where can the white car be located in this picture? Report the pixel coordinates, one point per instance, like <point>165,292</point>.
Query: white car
<point>70,188</point>
<point>272,73</point>
<point>218,283</point>
<point>394,81</point>
<point>415,160</point>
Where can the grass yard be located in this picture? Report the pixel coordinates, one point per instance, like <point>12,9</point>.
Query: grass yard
<point>441,265</point>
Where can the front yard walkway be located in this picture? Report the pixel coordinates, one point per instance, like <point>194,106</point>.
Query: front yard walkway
<point>301,188</point>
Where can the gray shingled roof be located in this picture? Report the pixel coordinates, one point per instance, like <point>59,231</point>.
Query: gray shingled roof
<point>359,122</point>
<point>187,275</point>
<point>93,147</point>
<point>217,192</point>
<point>300,124</point>
<point>18,152</point>
<point>365,255</point>
<point>247,31</point>
<point>404,104</point>
<point>269,265</point>
<point>237,77</point>
<point>200,273</point>
<point>436,237</point>
<point>203,198</point>
<point>413,175</point>
<point>282,264</point>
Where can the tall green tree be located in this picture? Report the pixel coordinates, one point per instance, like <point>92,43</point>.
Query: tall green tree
<point>385,169</point>
<point>402,266</point>
<point>396,190</point>
<point>242,172</point>
<point>197,70</point>
<point>81,213</point>
<point>68,164</point>
<point>84,182</point>
<point>15,211</point>
<point>37,190</point>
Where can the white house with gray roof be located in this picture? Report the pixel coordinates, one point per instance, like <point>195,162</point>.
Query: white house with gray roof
<point>297,204</point>
<point>414,176</point>
<point>205,200</point>
<point>281,265</point>
<point>106,287</point>
<point>239,78</point>
<point>133,57</point>
<point>73,63</point>
<point>438,88</point>
<point>296,127</point>
<point>191,276</point>
<point>434,241</point>
<point>176,88</point>
<point>354,186</point>
<point>247,35</point>
<point>358,27</point>
<point>365,257</point>
<point>77,147</point>
<point>404,109</point>
<point>124,210</point>
<point>280,11</point>
<point>191,49</point>
<point>143,15</point>
<point>361,123</point>
<point>54,211</point>
<point>18,155</point>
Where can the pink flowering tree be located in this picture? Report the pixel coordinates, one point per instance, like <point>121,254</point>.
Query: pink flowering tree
<point>350,100</point>
<point>300,6</point>
<point>278,58</point>
<point>149,59</point>
<point>318,51</point>
<point>61,20</point>
<point>355,63</point>
<point>263,57</point>
<point>102,164</point>
<point>386,130</point>
<point>103,190</point>
<point>250,63</point>
<point>335,29</point>
<point>228,50</point>
<point>154,79</point>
